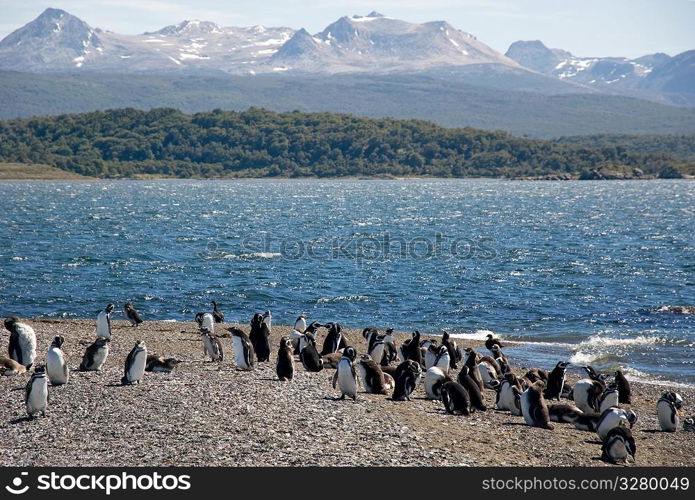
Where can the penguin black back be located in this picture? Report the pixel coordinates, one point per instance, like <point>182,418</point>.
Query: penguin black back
<point>285,364</point>
<point>456,398</point>
<point>406,377</point>
<point>556,381</point>
<point>624,393</point>
<point>309,355</point>
<point>476,397</point>
<point>334,339</point>
<point>216,313</point>
<point>454,355</point>
<point>260,337</point>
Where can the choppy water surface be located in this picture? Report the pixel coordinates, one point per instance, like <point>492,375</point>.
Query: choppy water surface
<point>576,269</point>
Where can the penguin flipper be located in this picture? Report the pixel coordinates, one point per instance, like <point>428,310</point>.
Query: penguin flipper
<point>335,379</point>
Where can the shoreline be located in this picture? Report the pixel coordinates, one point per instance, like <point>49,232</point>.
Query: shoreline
<point>212,414</point>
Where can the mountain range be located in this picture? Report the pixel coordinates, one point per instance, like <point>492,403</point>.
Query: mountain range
<point>430,70</point>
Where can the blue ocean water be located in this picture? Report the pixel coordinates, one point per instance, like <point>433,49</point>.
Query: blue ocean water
<point>573,270</point>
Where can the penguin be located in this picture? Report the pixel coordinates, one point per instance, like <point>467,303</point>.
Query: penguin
<point>389,383</point>
<point>584,422</point>
<point>132,314</point>
<point>331,360</point>
<point>22,347</point>
<point>556,381</point>
<point>160,364</point>
<point>308,354</point>
<point>504,366</point>
<point>618,445</point>
<point>370,335</point>
<point>243,350</point>
<point>689,424</point>
<point>285,364</point>
<point>268,320</point>
<point>536,374</point>
<point>371,375</point>
<point>587,395</point>
<point>260,337</point>
<point>498,354</point>
<point>9,367</point>
<point>506,396</point>
<point>624,394</point>
<point>451,346</point>
<point>435,378</point>
<point>493,364</point>
<point>476,396</point>
<point>205,320</point>
<point>594,375</point>
<point>104,322</point>
<point>443,360</point>
<point>345,376</point>
<point>564,413</point>
<point>334,340</point>
<point>211,345</point>
<point>95,355</point>
<point>391,350</point>
<point>470,360</point>
<point>534,408</point>
<point>300,324</point>
<point>492,341</point>
<point>217,315</point>
<point>488,373</point>
<point>297,337</point>
<point>613,417</point>
<point>376,349</point>
<point>455,398</point>
<point>406,377</point>
<point>609,399</point>
<point>667,409</point>
<point>36,393</point>
<point>430,355</point>
<point>410,349</point>
<point>56,366</point>
<point>134,369</point>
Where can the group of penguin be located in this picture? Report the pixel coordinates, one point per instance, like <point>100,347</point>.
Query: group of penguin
<point>385,368</point>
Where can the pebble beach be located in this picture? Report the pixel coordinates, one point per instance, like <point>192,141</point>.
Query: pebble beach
<point>211,414</point>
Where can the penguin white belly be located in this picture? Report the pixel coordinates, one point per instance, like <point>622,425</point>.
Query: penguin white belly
<point>506,399</point>
<point>581,396</point>
<point>432,376</point>
<point>617,450</point>
<point>668,417</point>
<point>488,373</point>
<point>55,367</point>
<point>27,343</point>
<point>610,401</point>
<point>136,371</point>
<point>526,407</point>
<point>38,397</point>
<point>377,353</point>
<point>443,363</point>
<point>610,421</point>
<point>347,383</point>
<point>239,357</point>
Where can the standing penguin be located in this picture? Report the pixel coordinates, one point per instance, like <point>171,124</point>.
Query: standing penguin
<point>371,375</point>
<point>471,362</point>
<point>260,337</point>
<point>300,323</point>
<point>56,366</point>
<point>492,341</point>
<point>443,360</point>
<point>217,315</point>
<point>406,377</point>
<point>451,346</point>
<point>534,408</point>
<point>334,340</point>
<point>22,347</point>
<point>618,445</point>
<point>211,345</point>
<point>410,349</point>
<point>456,399</point>
<point>205,320</point>
<point>667,409</point>
<point>556,381</point>
<point>475,394</point>
<point>345,376</point>
<point>285,365</point>
<point>36,393</point>
<point>132,314</point>
<point>134,369</point>
<point>308,354</point>
<point>243,350</point>
<point>624,394</point>
<point>507,398</point>
<point>95,355</point>
<point>104,322</point>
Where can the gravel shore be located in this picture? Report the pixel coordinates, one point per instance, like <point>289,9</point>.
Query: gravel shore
<point>210,414</point>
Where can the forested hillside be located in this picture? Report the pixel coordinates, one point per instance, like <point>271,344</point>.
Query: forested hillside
<point>259,143</point>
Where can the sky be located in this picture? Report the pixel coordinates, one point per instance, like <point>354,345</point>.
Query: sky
<point>629,28</point>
